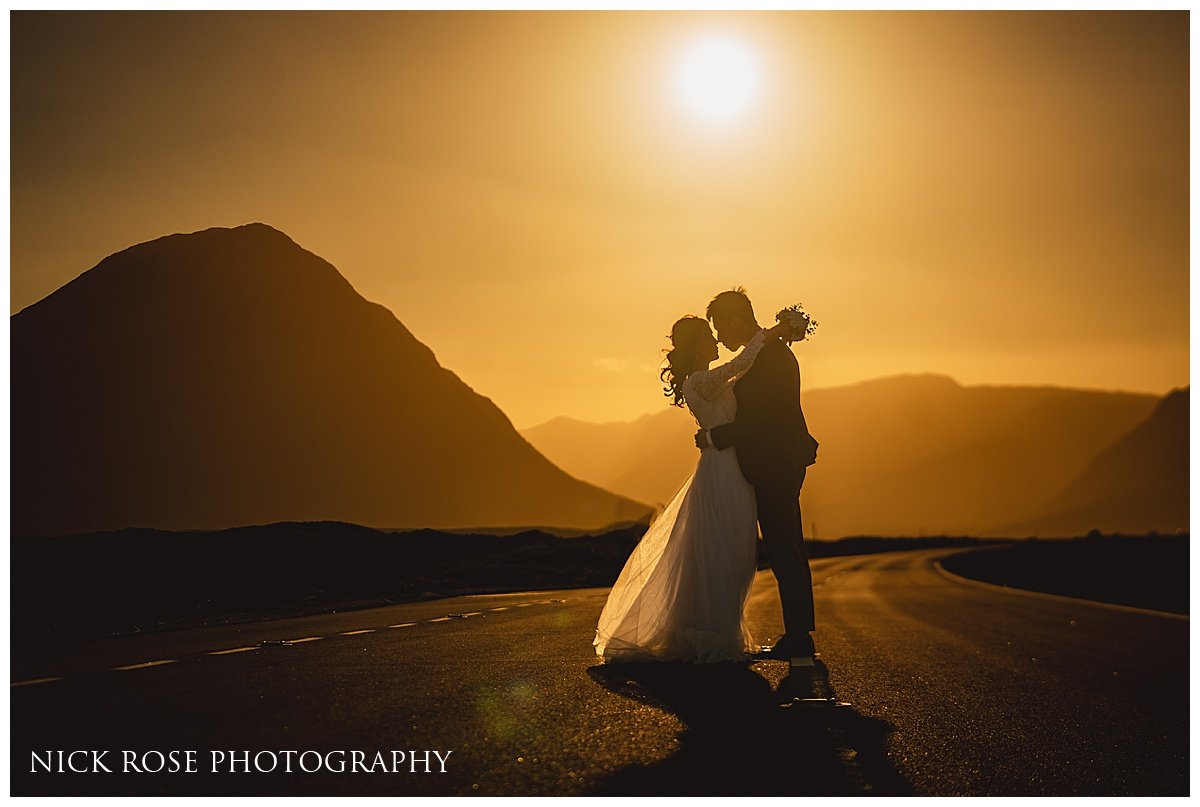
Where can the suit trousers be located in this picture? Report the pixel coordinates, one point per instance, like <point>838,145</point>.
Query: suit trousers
<point>782,530</point>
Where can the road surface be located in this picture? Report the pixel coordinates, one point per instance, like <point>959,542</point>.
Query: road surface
<point>956,689</point>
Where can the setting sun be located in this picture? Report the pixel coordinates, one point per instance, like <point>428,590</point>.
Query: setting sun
<point>718,79</point>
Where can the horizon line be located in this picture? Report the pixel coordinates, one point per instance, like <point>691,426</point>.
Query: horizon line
<point>952,379</point>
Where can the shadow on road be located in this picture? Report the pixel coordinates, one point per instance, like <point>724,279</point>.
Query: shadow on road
<point>744,738</point>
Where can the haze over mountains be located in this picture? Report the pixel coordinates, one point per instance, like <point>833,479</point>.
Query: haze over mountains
<point>913,455</point>
<point>229,377</point>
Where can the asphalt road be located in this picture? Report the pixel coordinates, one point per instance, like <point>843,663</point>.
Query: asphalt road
<point>956,689</point>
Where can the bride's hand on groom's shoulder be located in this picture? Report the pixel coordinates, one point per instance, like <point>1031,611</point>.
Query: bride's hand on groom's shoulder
<point>780,330</point>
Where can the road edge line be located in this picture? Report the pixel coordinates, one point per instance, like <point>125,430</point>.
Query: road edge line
<point>1112,606</point>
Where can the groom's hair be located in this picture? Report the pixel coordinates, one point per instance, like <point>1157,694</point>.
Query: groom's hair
<point>732,303</point>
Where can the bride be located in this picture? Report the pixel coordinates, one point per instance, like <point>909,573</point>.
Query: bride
<point>682,593</point>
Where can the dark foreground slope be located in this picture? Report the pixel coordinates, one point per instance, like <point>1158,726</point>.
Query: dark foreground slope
<point>1139,571</point>
<point>81,586</point>
<point>72,587</point>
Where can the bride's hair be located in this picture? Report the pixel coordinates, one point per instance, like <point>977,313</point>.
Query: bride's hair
<point>681,359</point>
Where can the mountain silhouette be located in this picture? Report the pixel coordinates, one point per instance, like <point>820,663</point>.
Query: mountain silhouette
<point>653,454</point>
<point>1139,484</point>
<point>229,377</point>
<point>905,455</point>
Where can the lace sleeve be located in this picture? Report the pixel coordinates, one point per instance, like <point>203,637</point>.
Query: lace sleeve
<point>710,383</point>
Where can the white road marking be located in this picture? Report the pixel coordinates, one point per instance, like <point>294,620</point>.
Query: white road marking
<point>146,664</point>
<point>246,649</point>
<point>36,681</point>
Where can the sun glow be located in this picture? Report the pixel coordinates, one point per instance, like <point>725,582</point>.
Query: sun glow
<point>718,79</point>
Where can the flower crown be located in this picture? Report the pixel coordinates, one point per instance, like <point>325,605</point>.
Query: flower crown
<point>798,320</point>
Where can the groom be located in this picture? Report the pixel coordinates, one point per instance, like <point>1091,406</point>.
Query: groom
<point>773,449</point>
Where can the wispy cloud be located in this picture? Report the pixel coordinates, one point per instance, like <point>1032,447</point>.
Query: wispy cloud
<point>611,364</point>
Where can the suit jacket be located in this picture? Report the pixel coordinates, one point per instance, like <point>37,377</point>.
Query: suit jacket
<point>769,434</point>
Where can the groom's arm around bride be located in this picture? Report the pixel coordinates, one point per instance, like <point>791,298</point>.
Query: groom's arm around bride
<point>769,434</point>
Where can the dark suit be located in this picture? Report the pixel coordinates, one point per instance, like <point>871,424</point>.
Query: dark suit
<point>773,449</point>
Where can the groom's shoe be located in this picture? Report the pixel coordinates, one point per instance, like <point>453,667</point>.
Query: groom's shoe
<point>787,647</point>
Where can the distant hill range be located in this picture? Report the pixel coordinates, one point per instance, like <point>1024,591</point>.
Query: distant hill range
<point>229,377</point>
<point>913,455</point>
<point>1137,484</point>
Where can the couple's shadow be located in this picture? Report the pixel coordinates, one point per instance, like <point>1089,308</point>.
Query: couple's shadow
<point>742,737</point>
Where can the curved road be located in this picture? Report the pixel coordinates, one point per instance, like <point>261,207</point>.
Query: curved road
<point>956,688</point>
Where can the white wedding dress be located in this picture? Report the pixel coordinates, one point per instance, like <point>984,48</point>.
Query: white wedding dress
<point>682,593</point>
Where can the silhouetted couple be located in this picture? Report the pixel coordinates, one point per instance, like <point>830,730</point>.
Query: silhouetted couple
<point>682,594</point>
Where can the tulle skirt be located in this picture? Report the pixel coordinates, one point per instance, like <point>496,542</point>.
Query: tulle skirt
<point>682,594</point>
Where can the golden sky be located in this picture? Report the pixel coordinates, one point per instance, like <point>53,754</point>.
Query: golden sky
<point>1001,197</point>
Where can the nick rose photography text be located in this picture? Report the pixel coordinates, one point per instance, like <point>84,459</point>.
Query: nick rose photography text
<point>180,761</point>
